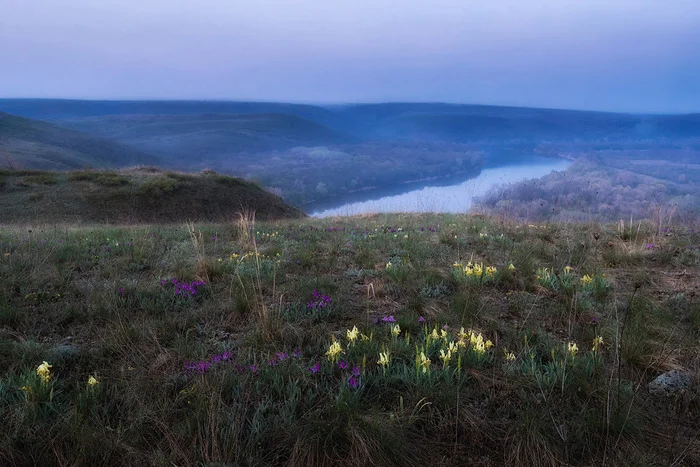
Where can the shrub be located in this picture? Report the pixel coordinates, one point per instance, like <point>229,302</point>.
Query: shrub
<point>158,186</point>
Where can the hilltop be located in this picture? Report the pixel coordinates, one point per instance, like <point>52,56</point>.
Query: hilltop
<point>140,195</point>
<point>377,340</point>
<point>32,144</point>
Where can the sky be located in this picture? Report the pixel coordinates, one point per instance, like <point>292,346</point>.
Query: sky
<point>618,55</point>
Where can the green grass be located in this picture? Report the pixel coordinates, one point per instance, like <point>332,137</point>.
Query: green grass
<point>131,196</point>
<point>503,384</point>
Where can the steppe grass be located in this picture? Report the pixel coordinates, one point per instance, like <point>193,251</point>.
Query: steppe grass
<point>377,340</point>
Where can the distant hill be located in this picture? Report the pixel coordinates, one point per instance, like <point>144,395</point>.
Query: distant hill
<point>142,195</point>
<point>391,121</point>
<point>56,110</point>
<point>210,137</point>
<point>458,123</point>
<point>33,144</point>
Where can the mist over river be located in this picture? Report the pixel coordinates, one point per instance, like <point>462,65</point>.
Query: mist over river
<point>456,198</point>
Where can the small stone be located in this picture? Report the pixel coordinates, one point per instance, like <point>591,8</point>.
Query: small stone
<point>670,383</point>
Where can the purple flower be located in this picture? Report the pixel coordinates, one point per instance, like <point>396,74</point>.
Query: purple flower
<point>651,246</point>
<point>297,353</point>
<point>319,301</point>
<point>253,369</point>
<point>121,291</point>
<point>421,319</point>
<point>315,369</point>
<point>353,382</point>
<point>356,371</point>
<point>389,319</point>
<point>281,356</point>
<point>343,365</point>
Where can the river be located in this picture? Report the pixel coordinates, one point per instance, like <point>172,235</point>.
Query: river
<point>454,198</point>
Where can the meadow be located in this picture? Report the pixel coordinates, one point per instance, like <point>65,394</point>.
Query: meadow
<point>375,340</point>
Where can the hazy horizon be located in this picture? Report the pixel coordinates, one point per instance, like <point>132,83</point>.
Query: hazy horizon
<point>637,56</point>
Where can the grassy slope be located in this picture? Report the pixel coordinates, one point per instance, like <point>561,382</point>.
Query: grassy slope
<point>61,109</point>
<point>128,196</point>
<point>90,302</point>
<point>33,144</point>
<point>209,136</point>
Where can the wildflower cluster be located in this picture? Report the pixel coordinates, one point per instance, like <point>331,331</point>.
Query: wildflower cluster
<point>266,235</point>
<point>474,272</point>
<point>319,301</point>
<point>44,371</point>
<point>546,278</point>
<point>334,351</point>
<point>470,339</point>
<point>183,289</point>
<point>352,335</point>
<point>204,366</point>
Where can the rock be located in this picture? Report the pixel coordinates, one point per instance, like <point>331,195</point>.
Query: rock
<point>670,383</point>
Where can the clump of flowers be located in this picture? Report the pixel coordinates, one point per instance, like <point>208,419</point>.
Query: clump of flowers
<point>395,330</point>
<point>204,366</point>
<point>182,289</point>
<point>572,348</point>
<point>445,357</point>
<point>470,339</point>
<point>597,341</point>
<point>319,301</point>
<point>586,279</point>
<point>474,272</point>
<point>546,277</point>
<point>334,351</point>
<point>422,361</point>
<point>352,335</point>
<point>44,371</point>
<point>384,359</point>
<point>389,319</point>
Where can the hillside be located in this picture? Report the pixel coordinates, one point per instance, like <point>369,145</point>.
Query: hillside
<point>394,121</point>
<point>376,340</point>
<point>33,144</point>
<point>460,123</point>
<point>142,195</point>
<point>63,109</point>
<point>209,138</point>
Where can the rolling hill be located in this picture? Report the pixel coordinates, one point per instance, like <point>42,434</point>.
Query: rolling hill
<point>209,137</point>
<point>141,195</point>
<point>33,144</point>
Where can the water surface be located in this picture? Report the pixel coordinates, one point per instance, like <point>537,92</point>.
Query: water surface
<point>454,198</point>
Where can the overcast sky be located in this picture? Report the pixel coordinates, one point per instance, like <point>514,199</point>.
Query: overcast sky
<point>628,55</point>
